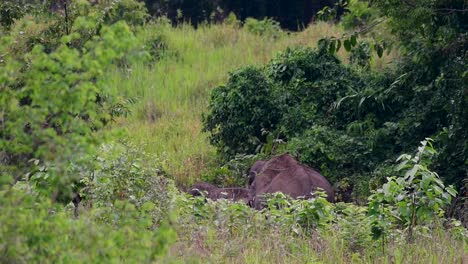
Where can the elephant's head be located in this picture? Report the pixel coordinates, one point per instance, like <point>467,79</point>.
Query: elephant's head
<point>256,168</point>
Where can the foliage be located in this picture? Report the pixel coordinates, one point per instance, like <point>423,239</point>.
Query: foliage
<point>134,13</point>
<point>226,231</point>
<point>232,173</point>
<point>298,216</point>
<point>361,55</point>
<point>293,92</point>
<point>434,87</point>
<point>35,230</point>
<point>359,14</point>
<point>124,173</point>
<point>353,225</point>
<point>59,101</point>
<point>240,111</point>
<point>232,20</point>
<point>67,53</point>
<point>11,10</point>
<point>415,198</point>
<point>265,27</point>
<point>432,69</point>
<point>154,35</point>
<point>309,81</point>
<point>283,213</point>
<point>333,12</point>
<point>330,151</point>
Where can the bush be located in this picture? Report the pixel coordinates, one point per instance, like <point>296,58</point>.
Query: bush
<point>294,91</point>
<point>34,230</point>
<point>11,10</point>
<point>126,206</point>
<point>125,173</point>
<point>240,112</point>
<point>335,154</point>
<point>353,225</point>
<point>309,82</point>
<point>416,198</point>
<point>266,27</point>
<point>154,36</point>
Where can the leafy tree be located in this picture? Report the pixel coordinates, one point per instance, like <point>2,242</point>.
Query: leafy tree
<point>432,88</point>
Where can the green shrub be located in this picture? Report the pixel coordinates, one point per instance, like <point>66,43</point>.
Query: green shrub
<point>310,82</point>
<point>416,198</point>
<point>154,36</point>
<point>241,111</point>
<point>298,216</point>
<point>36,231</point>
<point>335,154</point>
<point>353,225</point>
<point>126,173</point>
<point>232,20</point>
<point>294,91</point>
<point>266,27</point>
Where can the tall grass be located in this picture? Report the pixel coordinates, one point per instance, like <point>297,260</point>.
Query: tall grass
<point>208,244</point>
<point>173,93</point>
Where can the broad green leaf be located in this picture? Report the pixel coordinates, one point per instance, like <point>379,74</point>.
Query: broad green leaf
<point>409,175</point>
<point>451,191</point>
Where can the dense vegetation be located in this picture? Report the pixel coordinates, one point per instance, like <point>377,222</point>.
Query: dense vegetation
<point>104,107</point>
<point>350,120</point>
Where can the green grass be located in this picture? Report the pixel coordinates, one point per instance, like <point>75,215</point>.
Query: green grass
<point>173,93</point>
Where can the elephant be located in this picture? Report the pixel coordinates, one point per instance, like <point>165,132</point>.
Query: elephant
<point>285,174</point>
<point>214,193</point>
<point>255,169</point>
